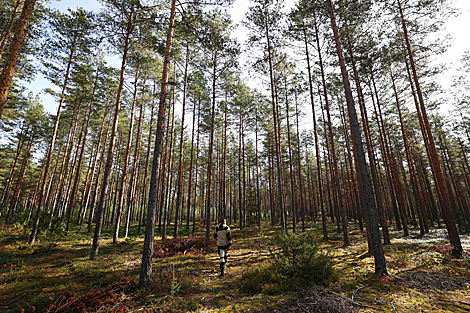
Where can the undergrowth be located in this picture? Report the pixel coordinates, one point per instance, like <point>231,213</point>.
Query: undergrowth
<point>296,263</point>
<point>266,272</point>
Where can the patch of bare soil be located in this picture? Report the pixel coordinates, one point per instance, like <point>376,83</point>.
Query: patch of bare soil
<point>422,281</point>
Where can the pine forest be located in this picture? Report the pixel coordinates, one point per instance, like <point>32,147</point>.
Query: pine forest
<point>234,156</point>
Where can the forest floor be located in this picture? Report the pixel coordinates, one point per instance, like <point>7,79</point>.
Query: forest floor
<point>56,275</point>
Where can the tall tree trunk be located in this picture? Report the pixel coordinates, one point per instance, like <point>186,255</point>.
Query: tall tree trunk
<point>19,183</point>
<point>86,198</point>
<point>61,181</point>
<point>275,124</point>
<point>279,144</point>
<point>317,149</point>
<point>388,162</point>
<point>270,182</point>
<point>134,172</point>
<point>336,177</point>
<point>433,157</point>
<point>146,268</point>
<point>179,194</point>
<point>49,192</point>
<point>86,182</point>
<point>453,178</point>
<point>125,169</point>
<point>416,193</point>
<point>377,248</point>
<point>7,31</point>
<point>10,63</point>
<point>78,172</point>
<point>70,170</point>
<point>196,167</point>
<point>97,180</point>
<point>19,147</point>
<point>299,167</point>
<point>166,195</point>
<point>211,148</point>
<point>66,209</point>
<point>357,189</point>
<point>244,179</point>
<point>109,158</point>
<point>190,180</point>
<point>370,148</point>
<point>149,145</point>
<point>42,192</point>
<point>258,199</point>
<point>224,164</point>
<point>240,126</point>
<point>35,195</point>
<point>163,171</point>
<point>291,171</point>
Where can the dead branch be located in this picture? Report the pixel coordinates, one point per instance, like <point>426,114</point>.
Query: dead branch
<point>354,302</point>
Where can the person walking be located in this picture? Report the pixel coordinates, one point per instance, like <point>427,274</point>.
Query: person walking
<point>224,243</point>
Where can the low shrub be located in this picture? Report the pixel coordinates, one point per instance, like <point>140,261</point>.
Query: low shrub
<point>299,259</point>
<point>297,263</point>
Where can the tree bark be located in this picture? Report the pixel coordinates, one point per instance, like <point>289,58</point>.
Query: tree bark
<point>377,248</point>
<point>336,177</point>
<point>134,173</point>
<point>389,163</point>
<point>15,48</point>
<point>433,157</point>
<point>19,183</point>
<point>125,168</point>
<point>109,158</point>
<point>166,195</point>
<point>211,148</point>
<point>7,31</point>
<point>315,131</point>
<point>149,145</point>
<point>146,268</point>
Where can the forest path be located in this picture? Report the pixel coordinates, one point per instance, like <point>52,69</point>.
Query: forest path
<point>238,262</point>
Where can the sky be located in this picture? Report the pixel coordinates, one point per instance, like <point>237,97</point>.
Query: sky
<point>458,27</point>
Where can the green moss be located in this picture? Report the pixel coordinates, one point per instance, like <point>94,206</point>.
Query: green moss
<point>37,275</point>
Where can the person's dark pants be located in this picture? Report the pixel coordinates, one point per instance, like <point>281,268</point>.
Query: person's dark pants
<point>223,255</point>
